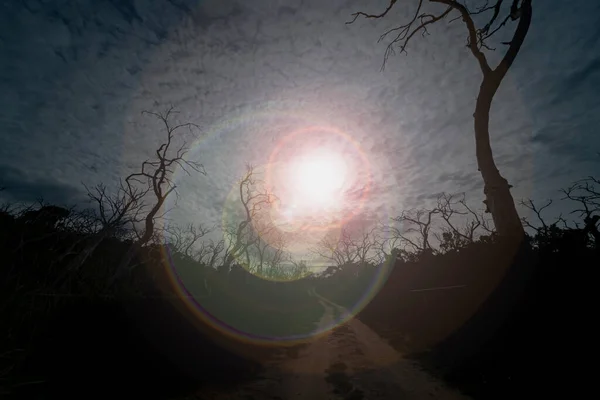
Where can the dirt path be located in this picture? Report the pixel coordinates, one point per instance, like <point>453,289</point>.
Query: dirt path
<point>351,363</point>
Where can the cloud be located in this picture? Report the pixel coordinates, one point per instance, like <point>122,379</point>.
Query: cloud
<point>77,79</point>
<point>23,188</point>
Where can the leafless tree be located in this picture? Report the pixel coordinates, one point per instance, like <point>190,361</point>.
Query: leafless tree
<point>268,245</point>
<point>460,219</point>
<point>587,194</point>
<point>299,269</point>
<point>348,248</point>
<point>452,222</point>
<point>255,200</point>
<point>183,240</point>
<point>211,252</point>
<point>415,229</point>
<point>338,250</point>
<point>276,254</point>
<point>542,227</point>
<point>286,268</point>
<point>114,214</point>
<point>499,200</point>
<point>155,179</point>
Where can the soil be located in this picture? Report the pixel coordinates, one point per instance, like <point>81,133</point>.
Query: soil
<point>350,362</point>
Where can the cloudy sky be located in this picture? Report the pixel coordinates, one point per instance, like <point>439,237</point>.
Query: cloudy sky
<point>75,76</point>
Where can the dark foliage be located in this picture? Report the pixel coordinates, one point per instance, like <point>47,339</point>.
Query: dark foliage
<point>68,333</point>
<point>494,320</point>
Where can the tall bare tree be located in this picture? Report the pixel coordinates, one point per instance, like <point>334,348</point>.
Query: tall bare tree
<point>499,200</point>
<point>255,200</point>
<point>155,179</point>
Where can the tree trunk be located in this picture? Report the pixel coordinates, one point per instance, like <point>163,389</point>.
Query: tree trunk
<point>499,200</point>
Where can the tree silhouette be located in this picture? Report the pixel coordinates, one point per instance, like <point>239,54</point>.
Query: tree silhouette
<point>254,201</point>
<point>587,194</point>
<point>183,240</point>
<point>499,200</point>
<point>155,178</point>
<point>349,247</point>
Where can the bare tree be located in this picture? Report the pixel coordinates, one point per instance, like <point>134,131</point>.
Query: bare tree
<point>415,229</point>
<point>183,240</point>
<point>286,268</point>
<point>210,252</point>
<point>470,222</point>
<point>543,227</point>
<point>386,248</point>
<point>299,269</point>
<point>276,254</point>
<point>269,244</point>
<point>254,201</point>
<point>338,250</point>
<point>114,215</point>
<point>587,194</point>
<point>348,248</point>
<point>155,178</point>
<point>499,200</point>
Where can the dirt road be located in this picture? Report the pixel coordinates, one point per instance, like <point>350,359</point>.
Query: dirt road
<point>351,363</point>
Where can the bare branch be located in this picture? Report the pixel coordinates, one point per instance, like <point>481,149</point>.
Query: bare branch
<point>383,14</point>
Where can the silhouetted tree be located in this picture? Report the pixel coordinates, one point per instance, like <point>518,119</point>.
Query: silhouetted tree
<point>254,201</point>
<point>415,229</point>
<point>115,214</point>
<point>348,247</point>
<point>499,200</point>
<point>587,194</point>
<point>386,245</point>
<point>155,178</point>
<point>269,248</point>
<point>212,251</point>
<point>298,269</point>
<point>183,240</point>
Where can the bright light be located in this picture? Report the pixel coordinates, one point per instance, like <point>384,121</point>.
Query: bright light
<point>318,178</point>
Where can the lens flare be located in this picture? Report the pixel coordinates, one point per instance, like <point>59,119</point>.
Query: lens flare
<point>309,169</point>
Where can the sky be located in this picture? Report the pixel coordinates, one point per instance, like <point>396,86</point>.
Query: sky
<point>75,77</point>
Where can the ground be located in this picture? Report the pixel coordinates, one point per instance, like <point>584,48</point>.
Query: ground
<point>350,362</point>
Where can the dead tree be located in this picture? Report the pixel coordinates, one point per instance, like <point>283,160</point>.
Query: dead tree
<point>338,250</point>
<point>587,194</point>
<point>276,254</point>
<point>155,179</point>
<point>499,200</point>
<point>183,240</point>
<point>212,252</point>
<point>348,248</point>
<point>463,224</point>
<point>297,269</point>
<point>254,201</point>
<point>115,214</point>
<point>415,229</point>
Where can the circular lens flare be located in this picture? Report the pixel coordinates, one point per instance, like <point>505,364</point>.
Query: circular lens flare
<point>317,179</point>
<point>322,177</point>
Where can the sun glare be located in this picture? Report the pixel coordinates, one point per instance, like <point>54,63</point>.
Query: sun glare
<point>318,178</point>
